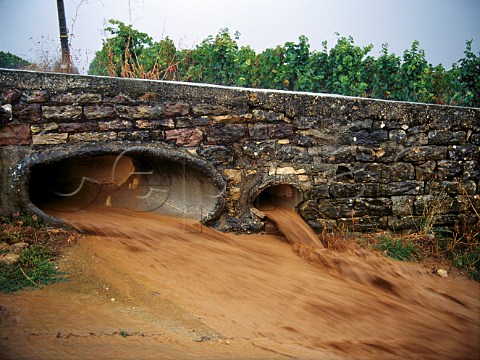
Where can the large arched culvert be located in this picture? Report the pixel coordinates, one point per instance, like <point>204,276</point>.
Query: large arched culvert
<point>139,178</point>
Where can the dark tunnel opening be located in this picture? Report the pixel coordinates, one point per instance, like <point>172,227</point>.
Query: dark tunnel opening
<point>271,197</point>
<point>282,192</point>
<point>139,182</point>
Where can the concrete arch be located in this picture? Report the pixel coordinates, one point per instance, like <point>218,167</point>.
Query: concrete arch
<point>147,177</point>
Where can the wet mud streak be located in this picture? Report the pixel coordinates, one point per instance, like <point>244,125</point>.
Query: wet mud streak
<point>306,244</point>
<point>182,291</point>
<point>295,229</point>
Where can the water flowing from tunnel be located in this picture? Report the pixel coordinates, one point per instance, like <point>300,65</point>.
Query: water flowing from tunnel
<point>295,229</point>
<point>175,277</point>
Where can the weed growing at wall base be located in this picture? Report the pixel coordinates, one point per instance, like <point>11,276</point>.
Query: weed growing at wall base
<point>468,262</point>
<point>28,249</point>
<point>397,248</point>
<point>34,268</point>
<point>463,254</point>
<point>464,249</point>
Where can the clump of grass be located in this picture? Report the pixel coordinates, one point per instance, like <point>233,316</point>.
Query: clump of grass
<point>397,248</point>
<point>464,248</point>
<point>468,262</point>
<point>35,265</point>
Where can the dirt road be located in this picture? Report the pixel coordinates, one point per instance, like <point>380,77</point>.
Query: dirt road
<point>153,287</point>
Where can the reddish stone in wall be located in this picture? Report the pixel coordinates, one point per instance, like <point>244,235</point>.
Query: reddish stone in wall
<point>16,134</point>
<point>185,137</point>
<point>176,109</point>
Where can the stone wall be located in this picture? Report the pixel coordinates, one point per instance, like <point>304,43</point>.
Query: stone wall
<point>359,163</point>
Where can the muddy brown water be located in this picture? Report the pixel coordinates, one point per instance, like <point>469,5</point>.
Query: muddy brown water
<point>146,286</point>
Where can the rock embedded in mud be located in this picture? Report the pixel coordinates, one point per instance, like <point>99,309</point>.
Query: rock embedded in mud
<point>442,272</point>
<point>9,258</point>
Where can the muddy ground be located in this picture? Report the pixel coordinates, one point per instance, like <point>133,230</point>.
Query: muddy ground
<point>145,286</point>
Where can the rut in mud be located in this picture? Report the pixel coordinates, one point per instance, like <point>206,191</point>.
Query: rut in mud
<point>144,285</point>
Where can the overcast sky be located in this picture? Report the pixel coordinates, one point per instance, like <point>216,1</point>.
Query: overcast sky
<point>441,26</point>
